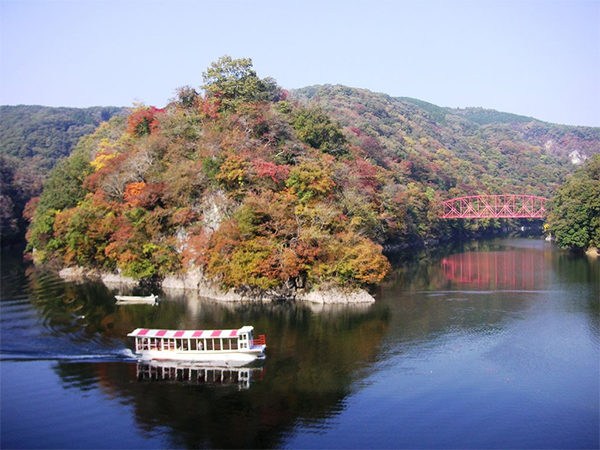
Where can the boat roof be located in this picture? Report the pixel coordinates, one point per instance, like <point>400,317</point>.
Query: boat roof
<point>187,334</point>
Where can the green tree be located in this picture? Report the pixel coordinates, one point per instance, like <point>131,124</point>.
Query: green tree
<point>63,189</point>
<point>309,180</point>
<point>575,217</point>
<point>234,81</point>
<point>315,128</point>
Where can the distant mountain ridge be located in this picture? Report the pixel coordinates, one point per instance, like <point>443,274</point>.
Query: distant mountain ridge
<point>33,138</point>
<point>583,138</point>
<point>491,140</point>
<point>484,116</point>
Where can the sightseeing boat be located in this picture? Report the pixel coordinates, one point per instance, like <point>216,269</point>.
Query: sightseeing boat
<point>234,346</point>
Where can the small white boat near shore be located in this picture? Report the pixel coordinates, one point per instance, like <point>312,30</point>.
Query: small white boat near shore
<point>237,347</point>
<point>136,300</point>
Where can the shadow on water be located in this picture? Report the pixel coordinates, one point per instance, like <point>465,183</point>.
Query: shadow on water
<point>312,361</point>
<point>314,355</point>
<point>317,356</point>
<point>581,274</point>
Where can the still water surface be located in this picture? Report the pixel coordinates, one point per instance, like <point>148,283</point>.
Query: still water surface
<point>492,345</point>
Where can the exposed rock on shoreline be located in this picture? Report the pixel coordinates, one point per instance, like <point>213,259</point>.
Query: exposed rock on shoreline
<point>336,295</point>
<point>80,274</point>
<point>593,252</point>
<point>196,281</point>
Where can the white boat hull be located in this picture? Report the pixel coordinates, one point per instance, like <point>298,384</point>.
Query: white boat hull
<point>243,357</point>
<point>136,300</point>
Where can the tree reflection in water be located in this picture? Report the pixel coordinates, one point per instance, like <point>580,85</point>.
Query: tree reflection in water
<point>314,356</point>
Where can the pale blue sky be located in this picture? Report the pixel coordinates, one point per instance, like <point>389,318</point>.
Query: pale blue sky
<point>537,58</point>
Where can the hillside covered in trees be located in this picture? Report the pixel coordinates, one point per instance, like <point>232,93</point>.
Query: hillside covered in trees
<point>460,151</point>
<point>32,140</point>
<point>262,190</point>
<point>575,217</point>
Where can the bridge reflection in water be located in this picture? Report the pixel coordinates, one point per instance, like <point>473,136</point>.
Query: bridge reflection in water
<point>173,371</point>
<point>511,269</point>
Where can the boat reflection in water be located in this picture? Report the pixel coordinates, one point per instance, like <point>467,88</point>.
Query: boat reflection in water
<point>189,373</point>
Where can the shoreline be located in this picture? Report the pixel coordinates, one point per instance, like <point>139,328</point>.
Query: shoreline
<point>195,281</point>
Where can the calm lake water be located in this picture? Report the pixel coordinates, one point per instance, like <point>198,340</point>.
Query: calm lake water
<point>493,345</point>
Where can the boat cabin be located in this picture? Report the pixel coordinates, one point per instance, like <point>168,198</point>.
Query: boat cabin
<point>171,344</point>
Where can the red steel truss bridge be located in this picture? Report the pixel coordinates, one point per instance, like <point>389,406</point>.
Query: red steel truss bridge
<point>509,206</point>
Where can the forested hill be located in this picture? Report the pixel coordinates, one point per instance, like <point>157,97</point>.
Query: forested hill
<point>472,150</point>
<point>260,191</point>
<point>48,133</point>
<point>32,139</point>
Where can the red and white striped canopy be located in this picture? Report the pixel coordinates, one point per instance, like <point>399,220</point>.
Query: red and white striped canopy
<point>185,334</point>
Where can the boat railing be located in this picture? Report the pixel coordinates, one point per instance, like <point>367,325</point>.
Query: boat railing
<point>260,340</point>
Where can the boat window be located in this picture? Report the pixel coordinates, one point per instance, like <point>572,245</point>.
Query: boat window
<point>193,345</point>
<point>217,344</point>
<point>234,344</point>
<point>209,344</point>
<point>226,344</point>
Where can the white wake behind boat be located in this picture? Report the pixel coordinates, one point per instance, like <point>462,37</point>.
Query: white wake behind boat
<point>136,300</point>
<point>199,345</point>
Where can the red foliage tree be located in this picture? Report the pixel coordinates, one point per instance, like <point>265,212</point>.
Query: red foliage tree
<point>143,194</point>
<point>356,131</point>
<point>143,121</point>
<point>209,107</point>
<point>266,169</point>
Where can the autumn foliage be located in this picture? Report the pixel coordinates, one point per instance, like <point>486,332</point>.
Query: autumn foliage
<point>256,189</point>
<point>247,187</point>
<point>143,121</point>
<point>261,190</point>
